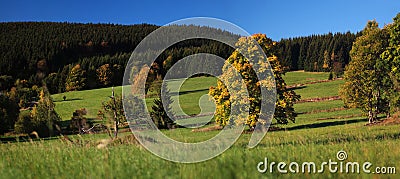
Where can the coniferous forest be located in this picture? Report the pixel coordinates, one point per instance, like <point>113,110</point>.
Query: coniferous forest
<point>46,52</point>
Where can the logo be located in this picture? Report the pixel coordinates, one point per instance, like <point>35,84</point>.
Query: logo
<point>332,166</point>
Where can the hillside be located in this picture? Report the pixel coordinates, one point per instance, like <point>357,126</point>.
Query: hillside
<point>194,88</point>
<point>317,136</point>
<point>46,52</point>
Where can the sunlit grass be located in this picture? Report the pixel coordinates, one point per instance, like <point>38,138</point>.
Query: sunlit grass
<point>299,77</point>
<point>319,90</point>
<point>314,137</point>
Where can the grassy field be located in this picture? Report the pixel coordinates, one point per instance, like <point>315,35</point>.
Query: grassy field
<point>189,94</point>
<point>298,77</point>
<point>91,100</point>
<point>319,90</point>
<point>315,137</point>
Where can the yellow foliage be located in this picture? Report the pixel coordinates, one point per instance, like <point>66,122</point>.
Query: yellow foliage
<point>247,47</point>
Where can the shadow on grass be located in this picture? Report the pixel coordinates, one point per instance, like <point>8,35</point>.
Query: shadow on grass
<point>297,87</point>
<point>330,123</point>
<point>30,138</point>
<point>325,124</point>
<point>65,123</point>
<point>187,92</point>
<point>72,99</point>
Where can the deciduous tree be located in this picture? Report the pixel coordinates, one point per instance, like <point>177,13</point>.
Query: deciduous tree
<point>75,79</point>
<point>284,111</point>
<point>113,112</point>
<point>391,57</point>
<point>365,75</point>
<point>105,74</point>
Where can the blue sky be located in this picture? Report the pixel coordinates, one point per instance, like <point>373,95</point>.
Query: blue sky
<point>278,19</point>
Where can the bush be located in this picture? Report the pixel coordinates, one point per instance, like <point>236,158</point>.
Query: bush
<point>24,123</point>
<point>8,113</point>
<point>78,121</point>
<point>41,119</point>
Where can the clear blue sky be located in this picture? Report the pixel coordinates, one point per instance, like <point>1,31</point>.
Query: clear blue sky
<point>278,19</point>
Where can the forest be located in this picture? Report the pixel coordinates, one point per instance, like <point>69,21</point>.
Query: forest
<point>48,52</point>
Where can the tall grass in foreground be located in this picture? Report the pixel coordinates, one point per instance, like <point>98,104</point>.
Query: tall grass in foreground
<point>313,138</point>
<point>49,159</point>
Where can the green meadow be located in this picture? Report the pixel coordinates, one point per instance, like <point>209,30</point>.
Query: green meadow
<point>321,130</point>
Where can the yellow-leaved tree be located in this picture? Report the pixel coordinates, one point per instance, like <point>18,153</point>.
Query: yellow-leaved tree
<point>284,111</point>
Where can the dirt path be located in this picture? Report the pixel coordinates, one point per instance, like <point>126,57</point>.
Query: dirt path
<point>329,98</point>
<point>340,117</point>
<point>311,82</point>
<point>325,110</point>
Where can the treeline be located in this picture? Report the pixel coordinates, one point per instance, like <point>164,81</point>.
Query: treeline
<point>24,44</point>
<point>48,53</point>
<point>44,52</point>
<point>329,52</point>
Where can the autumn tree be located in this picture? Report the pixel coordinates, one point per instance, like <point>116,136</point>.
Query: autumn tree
<point>108,74</point>
<point>41,119</point>
<point>105,74</point>
<point>45,114</point>
<point>391,57</point>
<point>327,66</point>
<point>366,76</point>
<point>284,111</point>
<point>75,79</point>
<point>140,78</point>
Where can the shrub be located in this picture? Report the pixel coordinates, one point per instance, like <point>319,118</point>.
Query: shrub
<point>8,113</point>
<point>41,119</point>
<point>24,123</point>
<point>78,121</point>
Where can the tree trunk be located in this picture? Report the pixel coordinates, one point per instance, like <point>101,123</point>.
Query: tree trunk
<point>116,121</point>
<point>388,111</point>
<point>116,125</point>
<point>370,117</point>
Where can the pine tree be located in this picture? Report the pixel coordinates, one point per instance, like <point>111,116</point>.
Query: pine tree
<point>160,113</point>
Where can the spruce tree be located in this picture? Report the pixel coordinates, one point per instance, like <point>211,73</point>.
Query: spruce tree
<point>159,114</point>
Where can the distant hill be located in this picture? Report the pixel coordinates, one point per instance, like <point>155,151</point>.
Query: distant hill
<point>47,51</point>
<point>23,44</point>
<point>34,50</point>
